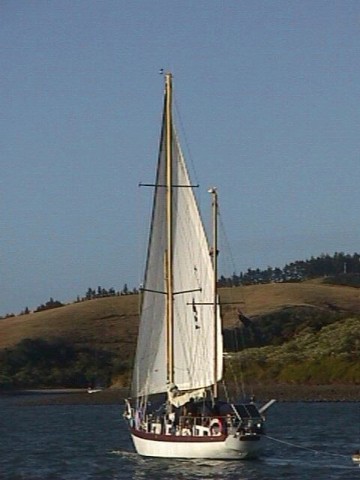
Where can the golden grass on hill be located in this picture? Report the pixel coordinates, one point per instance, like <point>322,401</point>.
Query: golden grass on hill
<point>111,323</point>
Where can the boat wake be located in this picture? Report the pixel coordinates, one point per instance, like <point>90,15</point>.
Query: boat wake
<point>124,453</point>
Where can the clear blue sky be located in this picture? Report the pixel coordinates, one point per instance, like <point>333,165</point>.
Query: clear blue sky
<point>268,94</point>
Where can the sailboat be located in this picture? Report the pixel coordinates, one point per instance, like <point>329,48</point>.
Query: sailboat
<point>175,410</point>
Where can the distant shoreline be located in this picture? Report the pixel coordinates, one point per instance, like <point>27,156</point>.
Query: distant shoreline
<point>43,391</point>
<point>115,396</point>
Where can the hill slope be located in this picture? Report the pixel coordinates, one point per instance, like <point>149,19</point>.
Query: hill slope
<point>111,323</point>
<point>303,331</point>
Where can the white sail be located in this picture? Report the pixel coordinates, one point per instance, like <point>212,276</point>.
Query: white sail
<point>179,349</point>
<point>194,329</point>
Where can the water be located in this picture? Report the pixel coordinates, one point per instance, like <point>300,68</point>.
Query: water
<point>309,441</point>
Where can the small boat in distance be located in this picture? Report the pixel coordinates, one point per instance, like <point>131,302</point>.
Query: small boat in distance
<point>176,410</point>
<point>356,457</point>
<point>94,390</point>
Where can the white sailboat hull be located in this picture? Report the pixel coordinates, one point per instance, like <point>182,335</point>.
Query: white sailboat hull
<point>224,448</point>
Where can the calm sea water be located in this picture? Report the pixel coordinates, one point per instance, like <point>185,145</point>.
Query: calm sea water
<point>308,441</point>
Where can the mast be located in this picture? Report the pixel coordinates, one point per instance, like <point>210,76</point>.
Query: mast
<point>214,251</point>
<point>169,223</point>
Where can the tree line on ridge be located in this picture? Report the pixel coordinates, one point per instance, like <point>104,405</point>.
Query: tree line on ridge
<point>340,268</point>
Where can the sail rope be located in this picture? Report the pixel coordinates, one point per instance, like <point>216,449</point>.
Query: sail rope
<point>239,382</point>
<point>185,140</point>
<point>142,237</point>
<point>198,192</point>
<point>313,450</point>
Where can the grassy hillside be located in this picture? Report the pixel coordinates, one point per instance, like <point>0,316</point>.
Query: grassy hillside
<point>289,317</point>
<point>110,323</point>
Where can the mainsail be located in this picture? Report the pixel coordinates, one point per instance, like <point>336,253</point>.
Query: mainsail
<point>194,331</point>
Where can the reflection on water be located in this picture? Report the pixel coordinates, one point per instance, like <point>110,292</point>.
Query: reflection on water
<point>311,441</point>
<point>268,467</point>
<point>151,468</point>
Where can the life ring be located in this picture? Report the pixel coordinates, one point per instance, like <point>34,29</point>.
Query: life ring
<point>215,427</point>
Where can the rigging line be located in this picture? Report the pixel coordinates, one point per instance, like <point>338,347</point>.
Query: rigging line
<point>313,450</point>
<point>242,377</point>
<point>240,384</point>
<point>183,135</point>
<point>225,390</point>
<point>143,210</point>
<point>226,240</point>
<point>140,229</point>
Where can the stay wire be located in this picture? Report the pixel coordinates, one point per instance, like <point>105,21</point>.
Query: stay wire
<point>313,450</point>
<point>182,130</point>
<point>226,241</point>
<point>230,258</point>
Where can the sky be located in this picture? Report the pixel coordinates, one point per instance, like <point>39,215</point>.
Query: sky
<point>267,96</point>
